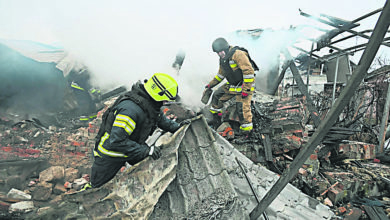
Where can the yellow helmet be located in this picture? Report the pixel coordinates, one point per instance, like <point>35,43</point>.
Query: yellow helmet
<point>162,87</point>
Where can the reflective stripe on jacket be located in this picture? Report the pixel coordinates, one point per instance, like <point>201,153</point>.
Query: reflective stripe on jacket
<point>237,68</point>
<point>135,119</point>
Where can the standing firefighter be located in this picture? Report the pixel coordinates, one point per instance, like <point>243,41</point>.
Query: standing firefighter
<point>239,69</point>
<point>127,124</point>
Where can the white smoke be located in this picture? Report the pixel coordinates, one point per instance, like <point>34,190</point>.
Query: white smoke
<point>124,41</point>
<point>122,45</point>
<point>265,48</point>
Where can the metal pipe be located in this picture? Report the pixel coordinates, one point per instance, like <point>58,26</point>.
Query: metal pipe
<point>335,80</point>
<point>341,28</point>
<point>365,61</point>
<point>367,15</point>
<point>345,51</point>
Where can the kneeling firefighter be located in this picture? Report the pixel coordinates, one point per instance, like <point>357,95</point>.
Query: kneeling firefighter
<point>127,124</point>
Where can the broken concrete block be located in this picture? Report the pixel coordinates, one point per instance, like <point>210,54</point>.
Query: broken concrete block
<point>25,206</point>
<point>17,194</point>
<point>52,173</point>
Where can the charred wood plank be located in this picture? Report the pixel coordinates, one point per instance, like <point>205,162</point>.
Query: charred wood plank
<point>280,78</point>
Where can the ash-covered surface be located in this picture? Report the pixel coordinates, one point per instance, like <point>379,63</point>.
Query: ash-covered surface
<point>202,188</point>
<point>210,185</point>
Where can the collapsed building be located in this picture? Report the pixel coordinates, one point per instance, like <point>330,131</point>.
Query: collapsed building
<point>312,155</point>
<point>39,80</point>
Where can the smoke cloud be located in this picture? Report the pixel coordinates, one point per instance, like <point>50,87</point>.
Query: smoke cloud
<point>126,41</point>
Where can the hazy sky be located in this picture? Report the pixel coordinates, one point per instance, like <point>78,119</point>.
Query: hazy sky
<point>123,40</point>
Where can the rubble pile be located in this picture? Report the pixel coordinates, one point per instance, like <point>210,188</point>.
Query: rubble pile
<point>43,163</point>
<point>63,146</point>
<point>343,178</point>
<point>340,173</point>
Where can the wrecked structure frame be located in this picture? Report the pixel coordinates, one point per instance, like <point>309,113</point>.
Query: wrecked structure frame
<point>375,41</point>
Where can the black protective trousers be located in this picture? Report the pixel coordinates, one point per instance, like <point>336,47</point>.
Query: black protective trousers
<point>103,170</point>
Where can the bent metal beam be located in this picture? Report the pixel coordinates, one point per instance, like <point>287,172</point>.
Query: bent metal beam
<point>375,41</point>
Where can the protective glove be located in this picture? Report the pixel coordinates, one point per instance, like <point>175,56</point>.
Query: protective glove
<point>185,122</point>
<point>244,94</point>
<point>155,152</point>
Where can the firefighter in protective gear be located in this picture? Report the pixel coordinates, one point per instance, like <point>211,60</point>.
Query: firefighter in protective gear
<point>127,124</point>
<point>85,96</point>
<point>238,68</point>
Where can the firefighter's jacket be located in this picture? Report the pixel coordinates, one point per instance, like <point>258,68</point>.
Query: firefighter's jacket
<point>134,118</point>
<point>238,69</point>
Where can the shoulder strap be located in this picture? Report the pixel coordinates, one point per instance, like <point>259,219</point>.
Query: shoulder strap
<point>230,53</point>
<point>254,65</point>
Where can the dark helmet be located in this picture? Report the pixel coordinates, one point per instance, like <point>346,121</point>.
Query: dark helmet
<point>220,44</point>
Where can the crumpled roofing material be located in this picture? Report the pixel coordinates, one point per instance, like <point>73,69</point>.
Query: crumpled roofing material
<point>132,194</point>
<point>209,184</point>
